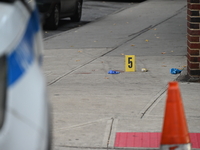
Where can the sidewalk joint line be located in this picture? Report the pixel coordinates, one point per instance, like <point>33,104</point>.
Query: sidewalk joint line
<point>145,30</point>
<point>87,147</point>
<point>141,31</point>
<point>153,103</point>
<point>84,147</point>
<point>108,142</point>
<point>85,124</point>
<point>60,77</point>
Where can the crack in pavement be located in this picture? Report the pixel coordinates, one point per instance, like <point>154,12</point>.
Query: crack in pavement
<point>73,70</point>
<point>111,126</point>
<point>135,35</point>
<point>155,100</point>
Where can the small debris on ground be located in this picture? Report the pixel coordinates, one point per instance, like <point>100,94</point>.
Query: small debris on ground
<point>113,72</point>
<point>144,70</point>
<point>175,71</point>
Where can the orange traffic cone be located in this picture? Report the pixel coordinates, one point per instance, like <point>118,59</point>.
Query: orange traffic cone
<point>175,135</point>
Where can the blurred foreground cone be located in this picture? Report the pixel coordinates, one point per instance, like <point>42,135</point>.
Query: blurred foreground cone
<point>175,135</point>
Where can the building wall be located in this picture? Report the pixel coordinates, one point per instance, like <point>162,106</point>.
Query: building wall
<point>193,30</point>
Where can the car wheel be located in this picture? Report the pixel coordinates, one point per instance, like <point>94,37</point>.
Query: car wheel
<point>54,19</point>
<point>78,13</point>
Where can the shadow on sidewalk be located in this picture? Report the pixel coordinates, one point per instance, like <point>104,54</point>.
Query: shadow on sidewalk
<point>184,77</point>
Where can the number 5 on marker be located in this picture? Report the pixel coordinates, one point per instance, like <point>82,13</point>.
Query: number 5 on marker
<point>130,63</point>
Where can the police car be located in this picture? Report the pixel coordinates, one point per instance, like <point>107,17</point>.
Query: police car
<point>24,108</point>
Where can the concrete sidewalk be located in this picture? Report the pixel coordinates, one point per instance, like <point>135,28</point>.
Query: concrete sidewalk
<point>89,105</point>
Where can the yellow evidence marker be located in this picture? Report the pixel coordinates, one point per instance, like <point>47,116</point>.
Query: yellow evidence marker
<point>130,63</point>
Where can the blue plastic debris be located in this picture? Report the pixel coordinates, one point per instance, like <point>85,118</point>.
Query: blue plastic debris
<point>175,71</point>
<point>113,72</point>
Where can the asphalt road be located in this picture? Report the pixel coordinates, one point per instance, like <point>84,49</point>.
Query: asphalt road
<point>92,10</point>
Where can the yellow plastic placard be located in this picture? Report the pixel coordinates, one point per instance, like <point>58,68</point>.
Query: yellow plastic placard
<point>130,63</point>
